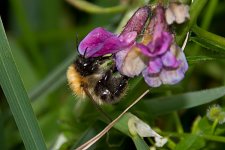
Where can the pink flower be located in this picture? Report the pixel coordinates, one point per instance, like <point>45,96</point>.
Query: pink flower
<point>100,42</point>
<point>157,57</point>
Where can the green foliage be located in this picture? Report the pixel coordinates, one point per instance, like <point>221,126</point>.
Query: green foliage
<point>42,36</point>
<point>17,97</point>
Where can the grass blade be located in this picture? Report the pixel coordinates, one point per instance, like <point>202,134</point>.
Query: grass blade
<point>162,105</point>
<point>17,97</point>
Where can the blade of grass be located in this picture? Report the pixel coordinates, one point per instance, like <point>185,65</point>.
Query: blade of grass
<point>17,97</point>
<point>162,105</point>
<point>208,39</point>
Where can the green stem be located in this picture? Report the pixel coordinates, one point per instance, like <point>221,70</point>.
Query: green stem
<point>205,136</point>
<point>215,123</point>
<point>171,144</point>
<point>209,14</point>
<point>91,8</point>
<point>178,123</point>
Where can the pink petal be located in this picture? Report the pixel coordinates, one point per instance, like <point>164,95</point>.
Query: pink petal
<point>155,66</point>
<point>152,81</point>
<point>160,44</point>
<point>94,41</point>
<point>169,60</point>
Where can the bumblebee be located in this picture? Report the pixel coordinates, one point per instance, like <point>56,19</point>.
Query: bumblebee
<point>97,78</point>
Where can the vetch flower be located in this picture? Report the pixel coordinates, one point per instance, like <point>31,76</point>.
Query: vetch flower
<point>178,13</point>
<point>157,56</point>
<point>100,42</point>
<point>137,126</point>
<point>167,63</point>
<point>169,68</point>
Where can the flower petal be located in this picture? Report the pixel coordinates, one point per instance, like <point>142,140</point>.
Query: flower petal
<point>155,65</point>
<point>137,21</point>
<point>93,42</point>
<point>115,44</point>
<point>130,62</point>
<point>169,60</point>
<point>177,12</point>
<point>160,44</point>
<point>173,76</point>
<point>151,80</point>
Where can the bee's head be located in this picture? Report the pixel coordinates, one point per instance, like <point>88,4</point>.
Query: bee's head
<point>87,66</point>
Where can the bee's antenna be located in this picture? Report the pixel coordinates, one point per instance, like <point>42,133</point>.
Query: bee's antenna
<point>96,105</point>
<point>86,145</point>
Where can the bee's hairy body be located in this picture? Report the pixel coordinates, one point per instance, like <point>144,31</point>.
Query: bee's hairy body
<point>88,74</point>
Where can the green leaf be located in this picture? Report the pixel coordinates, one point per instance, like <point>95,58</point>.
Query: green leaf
<point>193,142</point>
<point>122,125</point>
<point>17,97</point>
<point>198,59</point>
<point>140,143</point>
<point>167,104</point>
<point>208,44</point>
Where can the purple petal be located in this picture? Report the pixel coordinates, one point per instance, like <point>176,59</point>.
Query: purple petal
<point>93,42</point>
<point>176,50</point>
<point>153,81</point>
<point>160,44</point>
<point>115,44</point>
<point>169,60</point>
<point>155,66</point>
<point>137,21</point>
<point>128,38</point>
<point>171,77</point>
<point>145,50</point>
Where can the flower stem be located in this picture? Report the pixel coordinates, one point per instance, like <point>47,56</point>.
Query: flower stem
<point>205,136</point>
<point>215,123</point>
<point>178,123</point>
<point>195,10</point>
<point>92,8</point>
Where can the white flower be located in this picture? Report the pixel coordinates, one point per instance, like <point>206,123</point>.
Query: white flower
<point>177,13</point>
<point>137,126</point>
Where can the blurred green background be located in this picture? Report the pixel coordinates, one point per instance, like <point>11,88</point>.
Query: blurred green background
<point>42,36</point>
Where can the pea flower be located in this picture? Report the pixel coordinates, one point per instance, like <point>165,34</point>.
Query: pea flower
<point>137,126</point>
<point>177,13</point>
<point>100,42</point>
<point>157,57</point>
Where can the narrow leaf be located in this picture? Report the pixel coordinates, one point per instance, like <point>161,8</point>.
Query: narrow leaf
<point>192,142</point>
<point>17,97</point>
<point>209,44</point>
<point>162,105</point>
<point>198,59</point>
